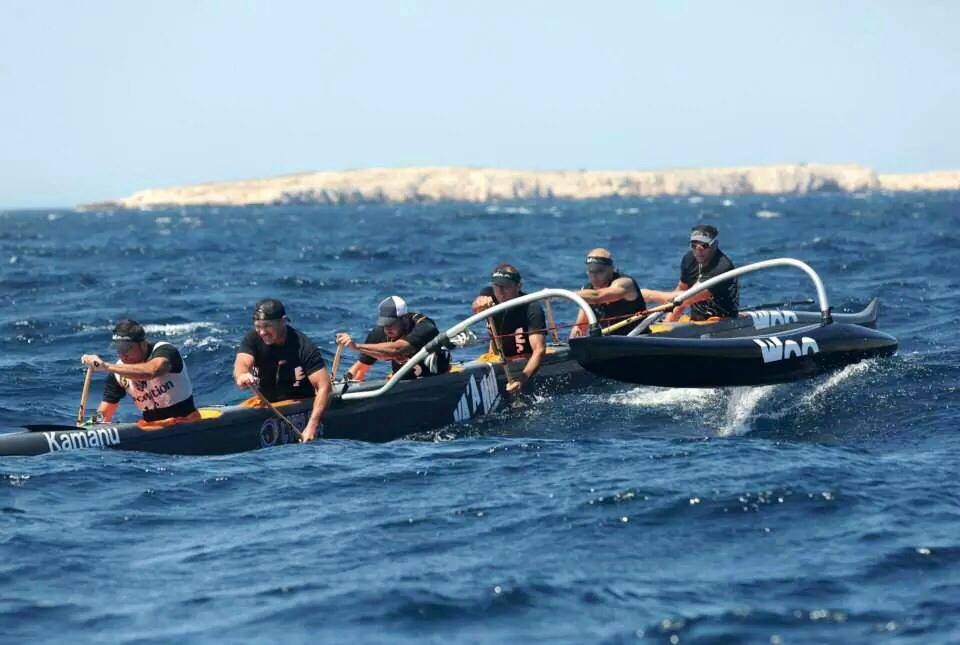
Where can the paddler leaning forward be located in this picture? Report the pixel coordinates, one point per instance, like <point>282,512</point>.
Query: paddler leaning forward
<point>283,362</point>
<point>518,332</point>
<point>153,374</point>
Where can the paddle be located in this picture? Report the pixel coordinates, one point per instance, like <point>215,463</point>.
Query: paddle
<point>336,364</point>
<point>550,321</point>
<point>277,412</point>
<point>83,397</point>
<point>667,306</point>
<point>499,347</point>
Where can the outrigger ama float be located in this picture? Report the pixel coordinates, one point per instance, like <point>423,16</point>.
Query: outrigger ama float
<point>759,347</point>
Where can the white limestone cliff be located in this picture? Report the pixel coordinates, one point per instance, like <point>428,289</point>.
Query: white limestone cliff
<point>491,184</point>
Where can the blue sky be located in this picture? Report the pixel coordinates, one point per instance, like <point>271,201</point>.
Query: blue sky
<point>99,99</point>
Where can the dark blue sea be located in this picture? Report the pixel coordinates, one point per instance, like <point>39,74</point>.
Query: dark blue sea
<point>820,511</point>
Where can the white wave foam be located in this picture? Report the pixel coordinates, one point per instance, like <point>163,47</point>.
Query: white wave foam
<point>657,397</point>
<point>835,379</point>
<point>741,407</point>
<point>180,329</point>
<point>765,214</point>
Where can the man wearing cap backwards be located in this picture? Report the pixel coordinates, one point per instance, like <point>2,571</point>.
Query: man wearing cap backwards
<point>522,330</point>
<point>284,362</point>
<point>613,296</point>
<point>153,374</point>
<point>703,261</point>
<point>399,334</point>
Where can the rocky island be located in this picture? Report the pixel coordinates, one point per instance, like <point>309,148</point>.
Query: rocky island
<point>399,185</point>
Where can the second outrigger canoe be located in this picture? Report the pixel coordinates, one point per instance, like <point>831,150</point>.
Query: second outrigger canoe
<point>757,348</point>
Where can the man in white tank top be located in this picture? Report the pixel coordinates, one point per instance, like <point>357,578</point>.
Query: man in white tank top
<point>152,374</point>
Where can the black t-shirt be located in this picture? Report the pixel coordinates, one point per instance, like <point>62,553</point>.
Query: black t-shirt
<point>283,370</point>
<point>420,331</point>
<point>610,313</point>
<point>725,302</point>
<point>516,324</point>
<point>113,391</point>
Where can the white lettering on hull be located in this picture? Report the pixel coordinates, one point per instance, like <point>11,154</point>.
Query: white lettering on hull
<point>478,398</point>
<point>763,318</point>
<point>773,349</point>
<point>74,440</point>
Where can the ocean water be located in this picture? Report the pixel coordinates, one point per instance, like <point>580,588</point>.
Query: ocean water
<point>820,511</point>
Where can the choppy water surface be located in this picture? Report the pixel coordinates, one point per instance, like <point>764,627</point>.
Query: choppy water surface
<point>818,511</point>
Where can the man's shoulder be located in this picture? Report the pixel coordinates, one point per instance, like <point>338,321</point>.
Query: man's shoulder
<point>251,342</point>
<point>724,263</point>
<point>301,338</point>
<point>624,279</point>
<point>421,319</point>
<point>164,349</point>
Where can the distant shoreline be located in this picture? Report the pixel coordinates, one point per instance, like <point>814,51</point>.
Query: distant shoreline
<point>479,185</point>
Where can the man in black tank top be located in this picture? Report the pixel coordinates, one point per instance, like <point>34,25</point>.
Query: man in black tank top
<point>703,261</point>
<point>613,296</point>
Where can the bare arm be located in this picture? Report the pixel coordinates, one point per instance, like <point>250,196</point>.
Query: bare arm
<point>620,289</point>
<point>140,371</point>
<point>320,380</point>
<point>357,372</point>
<point>388,351</point>
<point>580,325</point>
<point>242,367</point>
<point>107,410</point>
<point>538,346</point>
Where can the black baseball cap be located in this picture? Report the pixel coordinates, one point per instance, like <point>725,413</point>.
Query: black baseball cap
<point>390,310</point>
<point>505,274</point>
<point>128,331</point>
<point>269,309</point>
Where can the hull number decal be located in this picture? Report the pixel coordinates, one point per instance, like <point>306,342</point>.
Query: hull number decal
<point>273,431</point>
<point>478,398</point>
<point>773,349</point>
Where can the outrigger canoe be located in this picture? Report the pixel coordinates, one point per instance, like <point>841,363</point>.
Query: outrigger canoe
<point>760,347</point>
<point>410,406</point>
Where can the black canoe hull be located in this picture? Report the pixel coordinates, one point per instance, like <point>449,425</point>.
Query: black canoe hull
<point>733,357</point>
<point>420,405</point>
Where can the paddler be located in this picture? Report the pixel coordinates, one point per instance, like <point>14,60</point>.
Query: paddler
<point>703,261</point>
<point>612,295</point>
<point>153,374</point>
<point>283,363</point>
<point>398,335</point>
<point>520,331</point>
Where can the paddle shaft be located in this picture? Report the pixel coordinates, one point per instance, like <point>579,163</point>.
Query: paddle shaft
<point>81,411</point>
<point>277,412</point>
<point>498,344</point>
<point>336,364</point>
<point>550,321</point>
<point>637,316</point>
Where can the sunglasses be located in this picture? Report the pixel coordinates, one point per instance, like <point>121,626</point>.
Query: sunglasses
<point>699,245</point>
<point>597,271</point>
